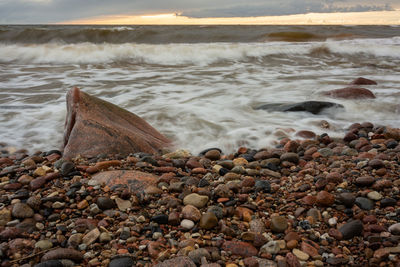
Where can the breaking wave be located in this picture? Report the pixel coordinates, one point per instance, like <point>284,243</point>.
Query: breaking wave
<point>197,54</point>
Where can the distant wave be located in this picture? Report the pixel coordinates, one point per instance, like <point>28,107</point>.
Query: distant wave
<point>183,34</point>
<point>198,54</point>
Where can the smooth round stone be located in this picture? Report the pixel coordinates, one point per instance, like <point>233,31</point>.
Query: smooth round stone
<point>196,200</point>
<point>160,219</point>
<point>376,163</point>
<point>388,202</point>
<point>279,224</point>
<point>347,199</point>
<point>50,263</point>
<point>300,254</point>
<point>208,221</point>
<point>44,244</point>
<point>325,199</point>
<point>66,168</point>
<point>213,154</point>
<point>395,229</point>
<point>218,211</point>
<point>364,203</point>
<point>257,226</point>
<point>325,152</point>
<point>105,237</point>
<point>122,262</point>
<point>58,205</point>
<point>190,212</point>
<point>351,229</point>
<point>187,224</point>
<point>271,247</point>
<point>290,156</point>
<point>332,221</point>
<point>374,195</point>
<point>105,203</point>
<point>22,210</point>
<point>365,181</point>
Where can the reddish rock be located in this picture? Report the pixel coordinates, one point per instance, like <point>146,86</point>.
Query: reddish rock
<point>4,162</point>
<point>240,248</point>
<point>334,177</point>
<point>154,248</point>
<point>213,154</point>
<point>292,236</point>
<point>291,146</point>
<point>192,163</point>
<point>250,262</point>
<point>363,81</point>
<point>10,233</point>
<point>325,199</point>
<point>63,253</point>
<point>306,134</point>
<point>94,126</point>
<point>309,249</point>
<point>309,200</point>
<point>190,212</point>
<point>292,261</point>
<point>137,181</point>
<point>364,181</point>
<point>350,93</point>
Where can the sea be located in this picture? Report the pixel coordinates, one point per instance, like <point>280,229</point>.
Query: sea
<point>198,85</point>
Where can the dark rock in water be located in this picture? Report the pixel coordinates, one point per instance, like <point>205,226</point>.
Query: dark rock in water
<point>94,126</point>
<point>314,107</point>
<point>122,262</point>
<point>350,93</point>
<point>351,229</point>
<point>364,203</point>
<point>66,168</point>
<point>363,81</point>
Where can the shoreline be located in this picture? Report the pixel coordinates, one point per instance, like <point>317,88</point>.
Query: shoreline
<point>318,201</point>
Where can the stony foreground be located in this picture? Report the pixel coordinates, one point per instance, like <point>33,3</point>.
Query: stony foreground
<point>314,202</point>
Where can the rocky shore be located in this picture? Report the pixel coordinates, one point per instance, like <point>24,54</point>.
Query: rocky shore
<point>306,202</point>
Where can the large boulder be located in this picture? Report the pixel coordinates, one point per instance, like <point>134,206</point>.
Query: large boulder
<point>350,93</point>
<point>94,126</point>
<point>314,107</point>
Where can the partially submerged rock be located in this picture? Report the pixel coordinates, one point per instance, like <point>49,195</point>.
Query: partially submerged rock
<point>94,126</point>
<point>350,93</point>
<point>314,107</point>
<point>363,81</point>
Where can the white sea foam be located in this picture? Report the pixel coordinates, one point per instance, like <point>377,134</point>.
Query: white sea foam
<point>200,95</point>
<point>176,54</point>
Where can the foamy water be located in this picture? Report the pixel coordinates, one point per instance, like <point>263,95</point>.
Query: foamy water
<point>200,94</point>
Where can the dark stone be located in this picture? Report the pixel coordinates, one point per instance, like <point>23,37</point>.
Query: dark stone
<point>388,202</point>
<point>50,263</point>
<point>203,183</point>
<point>105,203</point>
<point>363,81</point>
<point>351,229</point>
<point>314,107</point>
<point>160,219</point>
<point>350,93</point>
<point>122,262</point>
<point>202,153</point>
<point>66,168</point>
<point>263,186</point>
<point>347,199</point>
<point>364,203</point>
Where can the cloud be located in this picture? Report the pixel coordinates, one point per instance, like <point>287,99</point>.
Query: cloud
<point>52,11</point>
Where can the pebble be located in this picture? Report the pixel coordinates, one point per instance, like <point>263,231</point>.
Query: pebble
<point>122,262</point>
<point>272,247</point>
<point>22,210</point>
<point>187,224</point>
<point>374,195</point>
<point>208,221</point>
<point>197,254</point>
<point>300,254</point>
<point>123,205</point>
<point>364,203</point>
<point>279,224</point>
<point>351,229</point>
<point>63,253</point>
<point>190,212</point>
<point>395,229</point>
<point>105,203</point>
<point>90,237</point>
<point>196,200</point>
<point>44,244</point>
<point>291,157</point>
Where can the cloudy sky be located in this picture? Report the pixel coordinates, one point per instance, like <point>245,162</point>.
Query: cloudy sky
<point>54,11</point>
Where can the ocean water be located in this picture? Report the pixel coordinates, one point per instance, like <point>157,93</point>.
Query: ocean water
<point>198,85</point>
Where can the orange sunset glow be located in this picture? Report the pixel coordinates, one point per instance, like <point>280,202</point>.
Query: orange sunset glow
<point>348,18</point>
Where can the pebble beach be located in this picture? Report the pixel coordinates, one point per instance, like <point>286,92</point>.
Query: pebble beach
<point>321,201</point>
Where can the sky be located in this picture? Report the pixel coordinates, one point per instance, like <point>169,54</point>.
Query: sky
<point>107,11</point>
